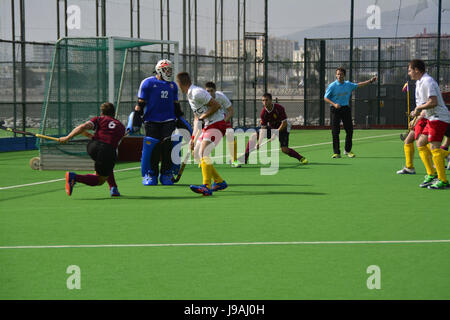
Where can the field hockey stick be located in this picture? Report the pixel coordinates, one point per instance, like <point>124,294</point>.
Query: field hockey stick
<point>264,143</point>
<point>37,135</point>
<point>186,157</point>
<point>411,125</point>
<point>183,165</point>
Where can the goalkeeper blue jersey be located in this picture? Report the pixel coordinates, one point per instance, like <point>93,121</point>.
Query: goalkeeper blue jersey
<point>159,96</point>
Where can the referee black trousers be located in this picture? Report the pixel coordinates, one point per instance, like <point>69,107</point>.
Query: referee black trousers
<point>344,114</point>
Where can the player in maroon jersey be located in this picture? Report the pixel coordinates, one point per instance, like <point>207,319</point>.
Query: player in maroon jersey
<point>102,149</point>
<point>273,116</point>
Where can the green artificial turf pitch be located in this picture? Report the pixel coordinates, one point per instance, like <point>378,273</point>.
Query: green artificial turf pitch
<point>253,224</point>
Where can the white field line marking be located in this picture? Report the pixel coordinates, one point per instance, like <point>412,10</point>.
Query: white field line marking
<point>56,180</point>
<point>224,244</point>
<point>134,168</point>
<point>357,139</point>
<point>324,143</point>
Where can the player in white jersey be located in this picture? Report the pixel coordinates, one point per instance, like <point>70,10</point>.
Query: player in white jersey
<point>429,98</point>
<point>228,111</point>
<point>205,109</point>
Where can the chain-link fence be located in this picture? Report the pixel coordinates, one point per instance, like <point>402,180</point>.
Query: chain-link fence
<point>382,103</point>
<point>298,86</point>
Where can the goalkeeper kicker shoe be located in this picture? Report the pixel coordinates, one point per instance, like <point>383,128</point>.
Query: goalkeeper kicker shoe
<point>406,170</point>
<point>203,189</point>
<point>149,180</point>
<point>115,192</point>
<point>303,160</point>
<point>166,179</point>
<point>439,184</point>
<point>429,180</point>
<point>70,182</point>
<point>216,186</point>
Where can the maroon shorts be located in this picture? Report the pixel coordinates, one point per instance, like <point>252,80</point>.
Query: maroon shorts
<point>435,130</point>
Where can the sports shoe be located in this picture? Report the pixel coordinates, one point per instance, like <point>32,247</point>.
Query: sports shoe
<point>216,186</point>
<point>439,184</point>
<point>235,164</point>
<point>304,160</point>
<point>115,192</point>
<point>429,179</point>
<point>70,182</point>
<point>406,170</point>
<point>336,155</point>
<point>149,180</point>
<point>166,179</point>
<point>349,154</point>
<point>203,189</point>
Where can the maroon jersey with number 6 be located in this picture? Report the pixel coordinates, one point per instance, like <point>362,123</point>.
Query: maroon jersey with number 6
<point>274,117</point>
<point>108,130</point>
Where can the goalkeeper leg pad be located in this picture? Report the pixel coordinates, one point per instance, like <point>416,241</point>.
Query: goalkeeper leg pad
<point>149,144</point>
<point>166,178</point>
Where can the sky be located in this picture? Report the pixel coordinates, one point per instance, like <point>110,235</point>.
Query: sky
<point>285,17</point>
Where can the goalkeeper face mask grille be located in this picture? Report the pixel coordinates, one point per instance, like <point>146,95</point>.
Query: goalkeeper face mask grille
<point>164,69</point>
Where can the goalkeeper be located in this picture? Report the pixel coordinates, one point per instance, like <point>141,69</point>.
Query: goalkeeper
<point>159,107</point>
<point>102,149</point>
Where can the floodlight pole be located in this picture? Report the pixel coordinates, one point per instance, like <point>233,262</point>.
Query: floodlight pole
<point>439,41</point>
<point>104,18</point>
<point>351,40</point>
<point>111,69</point>
<point>266,44</point>
<point>23,72</point>
<point>65,19</point>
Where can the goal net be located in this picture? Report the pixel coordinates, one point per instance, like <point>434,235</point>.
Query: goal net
<point>84,73</point>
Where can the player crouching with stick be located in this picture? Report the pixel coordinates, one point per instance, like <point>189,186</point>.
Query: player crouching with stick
<point>102,149</point>
<point>273,116</point>
<point>205,109</point>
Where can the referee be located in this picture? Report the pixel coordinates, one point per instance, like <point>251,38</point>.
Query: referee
<point>338,96</point>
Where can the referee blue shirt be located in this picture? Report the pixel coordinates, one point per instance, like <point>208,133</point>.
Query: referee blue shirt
<point>340,92</point>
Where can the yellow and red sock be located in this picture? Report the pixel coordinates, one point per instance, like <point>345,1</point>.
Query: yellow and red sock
<point>426,157</point>
<point>409,155</point>
<point>215,175</point>
<point>230,146</point>
<point>206,171</point>
<point>438,159</point>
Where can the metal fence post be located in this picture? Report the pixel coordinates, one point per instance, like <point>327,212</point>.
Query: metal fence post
<point>322,83</point>
<point>305,79</point>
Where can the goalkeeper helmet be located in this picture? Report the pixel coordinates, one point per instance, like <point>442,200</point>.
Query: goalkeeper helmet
<point>164,69</point>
